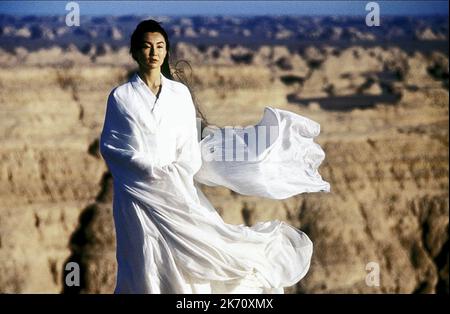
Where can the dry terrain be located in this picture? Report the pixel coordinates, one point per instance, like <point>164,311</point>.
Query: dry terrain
<point>386,161</point>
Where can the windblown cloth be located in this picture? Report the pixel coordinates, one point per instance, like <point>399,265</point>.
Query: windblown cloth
<point>169,237</point>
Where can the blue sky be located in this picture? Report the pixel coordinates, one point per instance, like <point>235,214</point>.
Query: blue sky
<point>231,7</point>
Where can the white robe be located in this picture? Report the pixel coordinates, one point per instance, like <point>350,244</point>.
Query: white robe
<point>169,237</point>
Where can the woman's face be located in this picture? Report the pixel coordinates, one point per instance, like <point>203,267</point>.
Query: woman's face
<point>152,51</point>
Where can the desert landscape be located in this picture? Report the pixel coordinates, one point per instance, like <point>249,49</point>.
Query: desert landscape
<point>381,98</point>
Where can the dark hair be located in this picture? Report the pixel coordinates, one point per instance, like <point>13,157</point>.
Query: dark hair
<point>152,26</point>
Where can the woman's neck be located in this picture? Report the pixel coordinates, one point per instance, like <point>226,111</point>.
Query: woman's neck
<point>152,78</point>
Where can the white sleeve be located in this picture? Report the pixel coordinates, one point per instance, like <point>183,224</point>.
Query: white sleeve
<point>120,144</point>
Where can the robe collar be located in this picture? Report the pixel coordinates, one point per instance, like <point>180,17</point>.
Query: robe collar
<point>139,83</point>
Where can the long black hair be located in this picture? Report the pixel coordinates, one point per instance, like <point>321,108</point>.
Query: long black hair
<point>153,26</point>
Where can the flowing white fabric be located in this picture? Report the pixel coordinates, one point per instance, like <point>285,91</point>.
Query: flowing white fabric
<point>277,159</point>
<point>169,237</point>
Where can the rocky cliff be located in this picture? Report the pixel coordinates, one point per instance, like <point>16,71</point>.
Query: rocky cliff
<point>384,119</point>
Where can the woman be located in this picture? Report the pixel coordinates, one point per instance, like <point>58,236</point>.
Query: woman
<point>170,239</point>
